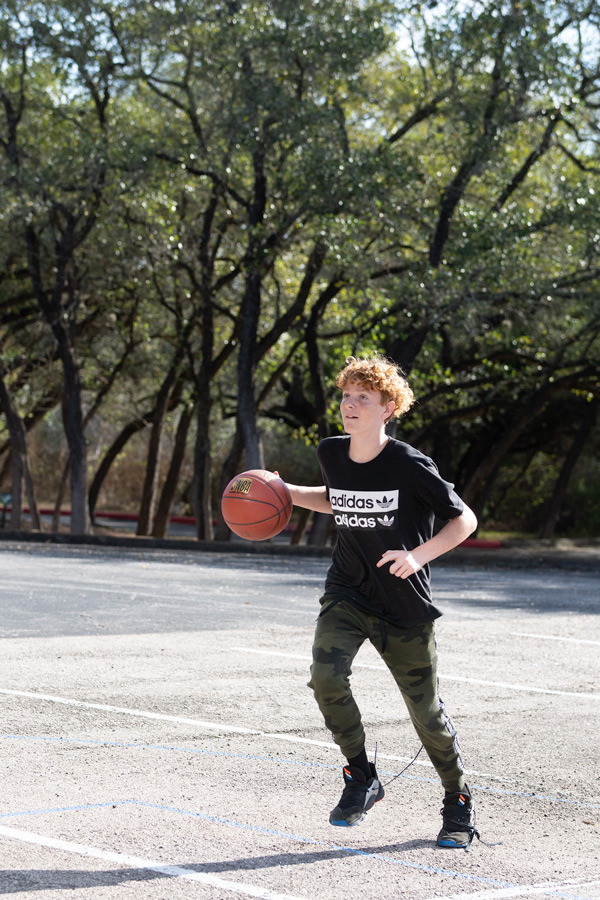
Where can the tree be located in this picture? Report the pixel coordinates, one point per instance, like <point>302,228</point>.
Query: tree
<point>244,193</point>
<point>57,193</point>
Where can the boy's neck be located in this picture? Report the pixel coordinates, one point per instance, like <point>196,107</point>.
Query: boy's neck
<point>364,449</point>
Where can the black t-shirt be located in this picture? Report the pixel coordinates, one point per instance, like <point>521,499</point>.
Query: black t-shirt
<point>388,503</point>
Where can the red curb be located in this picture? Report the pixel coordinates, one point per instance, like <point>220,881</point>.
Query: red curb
<point>119,516</point>
<point>482,543</point>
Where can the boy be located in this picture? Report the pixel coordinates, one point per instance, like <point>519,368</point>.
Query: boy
<point>384,496</point>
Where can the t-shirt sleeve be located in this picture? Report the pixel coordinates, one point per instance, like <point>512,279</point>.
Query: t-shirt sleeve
<point>434,492</point>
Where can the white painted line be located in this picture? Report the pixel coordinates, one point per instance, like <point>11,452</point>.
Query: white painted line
<point>302,657</point>
<point>231,729</point>
<point>199,723</point>
<point>502,684</point>
<point>526,890</point>
<point>554,637</point>
<point>527,688</point>
<point>134,593</point>
<point>140,863</point>
<point>144,714</point>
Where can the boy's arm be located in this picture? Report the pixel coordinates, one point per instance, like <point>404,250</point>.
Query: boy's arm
<point>454,532</point>
<point>310,497</point>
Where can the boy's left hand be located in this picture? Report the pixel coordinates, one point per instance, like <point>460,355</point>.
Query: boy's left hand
<point>403,563</point>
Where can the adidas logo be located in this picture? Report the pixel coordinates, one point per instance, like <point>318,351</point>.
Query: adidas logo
<point>384,503</point>
<point>386,521</point>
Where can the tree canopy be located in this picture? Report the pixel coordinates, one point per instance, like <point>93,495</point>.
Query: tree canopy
<point>209,205</point>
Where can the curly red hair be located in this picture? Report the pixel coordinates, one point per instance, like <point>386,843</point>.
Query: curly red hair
<point>378,373</point>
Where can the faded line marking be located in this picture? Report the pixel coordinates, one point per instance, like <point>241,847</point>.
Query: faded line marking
<point>134,593</point>
<point>147,864</point>
<point>551,888</point>
<point>230,729</point>
<point>555,637</point>
<point>527,795</point>
<point>502,684</point>
<point>497,889</point>
<point>198,723</point>
<point>144,714</point>
<point>310,842</point>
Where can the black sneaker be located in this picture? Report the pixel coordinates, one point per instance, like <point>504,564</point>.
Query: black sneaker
<point>458,815</point>
<point>359,795</point>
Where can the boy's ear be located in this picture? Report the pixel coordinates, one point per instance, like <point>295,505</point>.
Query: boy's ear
<point>390,408</point>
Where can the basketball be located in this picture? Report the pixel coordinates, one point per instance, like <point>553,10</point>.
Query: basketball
<point>256,505</point>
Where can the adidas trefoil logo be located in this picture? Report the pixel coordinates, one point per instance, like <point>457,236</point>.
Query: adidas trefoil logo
<point>386,521</point>
<point>385,503</point>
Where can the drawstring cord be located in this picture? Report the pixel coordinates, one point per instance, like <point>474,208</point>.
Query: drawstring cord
<point>405,767</point>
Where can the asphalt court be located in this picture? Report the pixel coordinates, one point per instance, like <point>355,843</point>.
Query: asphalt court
<point>158,739</point>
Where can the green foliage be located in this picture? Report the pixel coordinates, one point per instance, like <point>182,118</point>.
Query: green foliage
<point>411,178</point>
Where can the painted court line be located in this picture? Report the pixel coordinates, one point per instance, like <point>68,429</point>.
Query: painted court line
<point>502,684</point>
<point>494,887</point>
<point>296,838</point>
<point>134,593</point>
<point>555,637</point>
<point>144,714</point>
<point>199,723</point>
<point>218,726</point>
<point>529,795</point>
<point>230,729</point>
<point>552,888</point>
<point>140,863</point>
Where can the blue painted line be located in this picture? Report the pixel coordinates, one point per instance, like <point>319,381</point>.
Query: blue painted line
<point>58,809</point>
<point>351,851</point>
<point>218,820</point>
<point>293,762</point>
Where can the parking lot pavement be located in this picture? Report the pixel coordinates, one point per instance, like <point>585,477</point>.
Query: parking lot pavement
<point>158,736</point>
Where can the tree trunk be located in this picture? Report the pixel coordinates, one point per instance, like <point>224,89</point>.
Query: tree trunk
<point>319,532</point>
<point>50,304</point>
<point>562,482</point>
<point>161,521</point>
<point>42,407</point>
<point>474,488</point>
<point>109,457</point>
<point>246,415</point>
<point>314,357</point>
<point>19,461</point>
<point>231,467</point>
<point>117,445</point>
<point>404,351</point>
<point>60,494</point>
<point>201,483</point>
<point>298,533</point>
<point>150,488</point>
<point>251,307</point>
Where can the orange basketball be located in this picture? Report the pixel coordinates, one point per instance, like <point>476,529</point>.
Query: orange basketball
<point>256,505</point>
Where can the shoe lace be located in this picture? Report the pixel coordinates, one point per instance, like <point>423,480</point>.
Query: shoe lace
<point>459,820</point>
<point>450,820</point>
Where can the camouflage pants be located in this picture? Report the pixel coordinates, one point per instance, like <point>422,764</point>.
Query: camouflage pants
<point>410,655</point>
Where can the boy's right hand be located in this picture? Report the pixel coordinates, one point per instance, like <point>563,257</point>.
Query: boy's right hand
<point>403,563</point>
